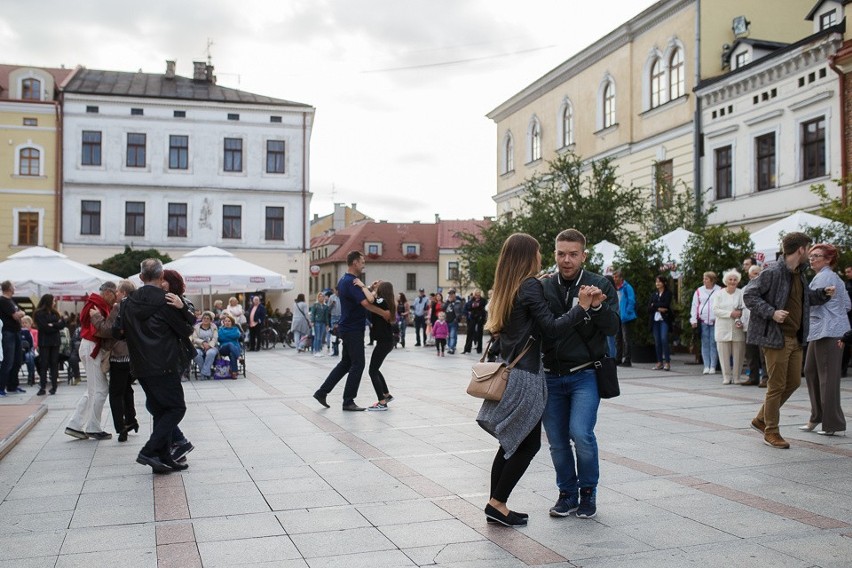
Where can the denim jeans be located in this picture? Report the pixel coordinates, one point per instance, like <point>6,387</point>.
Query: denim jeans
<point>570,416</point>
<point>708,346</point>
<point>611,349</point>
<point>453,338</point>
<point>661,341</point>
<point>232,351</point>
<point>319,337</point>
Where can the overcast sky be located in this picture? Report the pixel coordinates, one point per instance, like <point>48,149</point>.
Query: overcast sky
<point>400,87</point>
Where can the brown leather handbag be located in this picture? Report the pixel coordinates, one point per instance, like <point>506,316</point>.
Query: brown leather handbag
<point>488,380</point>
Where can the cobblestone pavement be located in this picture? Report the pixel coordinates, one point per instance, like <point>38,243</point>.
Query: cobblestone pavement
<point>277,480</point>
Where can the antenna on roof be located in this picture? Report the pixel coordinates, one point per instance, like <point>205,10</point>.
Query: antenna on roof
<point>209,54</point>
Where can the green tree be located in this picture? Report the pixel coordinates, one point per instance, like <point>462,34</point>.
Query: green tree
<point>839,233</point>
<point>127,263</point>
<point>479,253</point>
<point>717,249</point>
<point>640,262</point>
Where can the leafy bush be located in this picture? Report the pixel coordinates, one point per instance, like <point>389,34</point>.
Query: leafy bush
<point>127,263</point>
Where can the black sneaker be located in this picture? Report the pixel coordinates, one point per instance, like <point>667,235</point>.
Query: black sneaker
<point>41,392</point>
<point>587,508</point>
<point>179,452</point>
<point>565,505</point>
<point>98,435</point>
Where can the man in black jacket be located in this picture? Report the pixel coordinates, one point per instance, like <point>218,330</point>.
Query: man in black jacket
<point>572,389</point>
<point>154,329</point>
<point>453,310</point>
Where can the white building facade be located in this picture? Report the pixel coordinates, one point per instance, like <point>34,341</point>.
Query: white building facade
<point>172,163</point>
<point>771,129</point>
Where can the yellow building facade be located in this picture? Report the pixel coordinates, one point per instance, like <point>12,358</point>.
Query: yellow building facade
<point>628,96</point>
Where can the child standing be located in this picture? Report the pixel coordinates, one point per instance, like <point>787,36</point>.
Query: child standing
<point>382,333</point>
<point>440,330</point>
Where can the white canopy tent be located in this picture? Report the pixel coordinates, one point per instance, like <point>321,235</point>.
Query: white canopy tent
<point>608,251</point>
<point>211,270</point>
<point>674,244</point>
<point>767,241</point>
<point>38,270</point>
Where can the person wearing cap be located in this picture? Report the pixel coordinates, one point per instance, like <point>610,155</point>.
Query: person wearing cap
<point>453,309</point>
<point>86,421</point>
<point>420,306</point>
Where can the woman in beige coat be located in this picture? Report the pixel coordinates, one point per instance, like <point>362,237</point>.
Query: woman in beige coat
<point>730,337</point>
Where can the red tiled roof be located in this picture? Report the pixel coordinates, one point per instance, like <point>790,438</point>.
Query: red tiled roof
<point>390,235</point>
<point>59,75</point>
<point>448,231</point>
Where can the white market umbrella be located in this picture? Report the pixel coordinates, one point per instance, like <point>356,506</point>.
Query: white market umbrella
<point>767,241</point>
<point>608,251</point>
<point>38,270</point>
<point>211,270</point>
<point>674,244</point>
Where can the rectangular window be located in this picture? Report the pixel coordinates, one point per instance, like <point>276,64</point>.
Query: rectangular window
<point>233,116</point>
<point>180,114</point>
<point>136,150</point>
<point>813,148</point>
<point>275,156</point>
<point>452,271</point>
<point>233,155</point>
<point>30,121</point>
<point>136,112</point>
<point>27,228</point>
<point>372,249</point>
<point>411,281</point>
<point>410,249</point>
<point>232,221</point>
<point>827,20</point>
<point>764,151</point>
<point>29,162</point>
<point>742,59</point>
<point>177,220</point>
<point>274,223</point>
<point>92,109</point>
<point>90,217</point>
<point>663,180</point>
<point>724,172</point>
<point>134,219</point>
<point>91,148</point>
<point>178,152</point>
<point>274,119</point>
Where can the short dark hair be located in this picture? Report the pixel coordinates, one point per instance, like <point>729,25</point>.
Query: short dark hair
<point>793,241</point>
<point>572,236</point>
<point>6,285</point>
<point>353,256</point>
<point>175,280</point>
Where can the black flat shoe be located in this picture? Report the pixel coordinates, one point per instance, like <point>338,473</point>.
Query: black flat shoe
<point>156,465</point>
<point>123,436</point>
<point>510,520</point>
<point>520,515</point>
<point>169,462</point>
<point>132,426</point>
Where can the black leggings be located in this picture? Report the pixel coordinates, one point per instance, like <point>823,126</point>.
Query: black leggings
<point>505,473</point>
<point>380,351</point>
<point>48,360</point>
<point>121,401</point>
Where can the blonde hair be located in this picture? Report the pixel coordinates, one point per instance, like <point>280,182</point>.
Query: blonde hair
<point>518,261</point>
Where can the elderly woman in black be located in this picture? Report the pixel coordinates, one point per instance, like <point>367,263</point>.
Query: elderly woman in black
<point>519,315</point>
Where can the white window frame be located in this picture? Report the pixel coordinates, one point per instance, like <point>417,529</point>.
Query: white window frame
<point>823,112</point>
<point>508,165</point>
<point>565,123</point>
<point>674,48</point>
<point>601,121</point>
<point>32,74</point>
<point>534,136</point>
<point>15,229</point>
<point>753,158</point>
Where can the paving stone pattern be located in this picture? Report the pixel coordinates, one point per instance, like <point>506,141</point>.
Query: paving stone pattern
<point>277,480</point>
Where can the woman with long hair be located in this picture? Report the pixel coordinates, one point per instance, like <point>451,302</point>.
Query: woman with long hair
<point>320,318</point>
<point>518,316</point>
<point>382,333</point>
<point>660,310</point>
<point>49,321</point>
<point>828,325</point>
<point>301,326</point>
<point>403,310</point>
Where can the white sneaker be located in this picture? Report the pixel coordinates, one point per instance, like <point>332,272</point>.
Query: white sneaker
<point>712,371</point>
<point>726,381</point>
<point>319,354</point>
<point>706,371</point>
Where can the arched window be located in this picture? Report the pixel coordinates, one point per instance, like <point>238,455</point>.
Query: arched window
<point>658,95</point>
<point>31,89</point>
<point>508,153</point>
<point>608,104</point>
<point>535,140</point>
<point>677,86</point>
<point>29,163</point>
<point>567,124</point>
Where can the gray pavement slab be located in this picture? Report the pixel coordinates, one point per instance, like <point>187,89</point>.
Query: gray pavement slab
<point>277,480</point>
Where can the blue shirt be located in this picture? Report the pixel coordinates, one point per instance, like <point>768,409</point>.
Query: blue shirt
<point>352,314</point>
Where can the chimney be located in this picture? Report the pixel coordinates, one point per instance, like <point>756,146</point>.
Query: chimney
<point>199,71</point>
<point>437,218</point>
<point>211,78</point>
<point>170,69</point>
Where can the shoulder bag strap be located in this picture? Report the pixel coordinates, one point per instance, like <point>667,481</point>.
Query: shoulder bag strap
<point>522,353</point>
<point>485,351</point>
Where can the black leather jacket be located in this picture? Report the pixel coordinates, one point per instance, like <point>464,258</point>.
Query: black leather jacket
<point>531,317</point>
<point>154,331</point>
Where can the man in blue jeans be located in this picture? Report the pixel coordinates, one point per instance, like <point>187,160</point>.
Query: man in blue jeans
<point>453,310</point>
<point>354,305</point>
<point>572,388</point>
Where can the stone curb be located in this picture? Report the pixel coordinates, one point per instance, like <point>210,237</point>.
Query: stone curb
<point>10,441</point>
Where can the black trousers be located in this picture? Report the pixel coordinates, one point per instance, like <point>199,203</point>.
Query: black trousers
<point>474,335</point>
<point>351,362</point>
<point>48,360</point>
<point>420,323</point>
<point>623,340</point>
<point>506,473</point>
<point>166,404</point>
<point>254,338</point>
<point>121,395</point>
<point>380,351</point>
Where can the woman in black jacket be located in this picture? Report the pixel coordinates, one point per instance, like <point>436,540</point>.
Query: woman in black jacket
<point>48,321</point>
<point>660,311</point>
<point>520,315</point>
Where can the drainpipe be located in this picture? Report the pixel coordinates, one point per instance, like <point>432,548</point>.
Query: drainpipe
<point>832,62</point>
<point>696,123</point>
<point>57,202</point>
<point>304,182</point>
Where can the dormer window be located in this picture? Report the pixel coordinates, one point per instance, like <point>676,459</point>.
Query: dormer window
<point>374,250</point>
<point>411,250</point>
<point>742,59</point>
<point>828,19</point>
<point>31,89</point>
